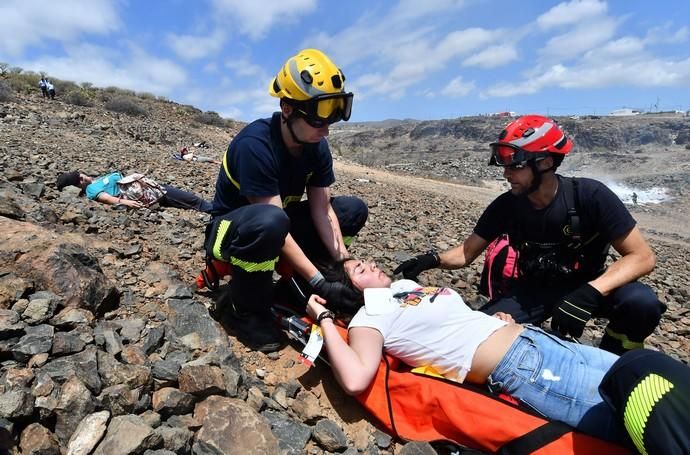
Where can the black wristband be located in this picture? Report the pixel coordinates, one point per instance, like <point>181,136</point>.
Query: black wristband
<point>328,314</point>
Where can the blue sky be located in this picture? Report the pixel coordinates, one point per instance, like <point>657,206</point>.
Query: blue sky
<point>424,59</point>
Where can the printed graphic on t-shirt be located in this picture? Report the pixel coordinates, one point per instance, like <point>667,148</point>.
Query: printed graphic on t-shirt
<point>412,298</point>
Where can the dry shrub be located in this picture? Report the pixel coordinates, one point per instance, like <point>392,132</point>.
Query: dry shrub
<point>78,98</point>
<point>125,105</point>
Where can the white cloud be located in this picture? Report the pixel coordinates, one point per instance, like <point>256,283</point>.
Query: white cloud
<point>664,35</point>
<point>626,47</point>
<point>245,68</point>
<point>634,73</point>
<point>458,88</point>
<point>134,69</point>
<point>191,47</point>
<point>492,56</point>
<point>255,18</point>
<point>582,38</point>
<point>28,23</point>
<point>573,12</point>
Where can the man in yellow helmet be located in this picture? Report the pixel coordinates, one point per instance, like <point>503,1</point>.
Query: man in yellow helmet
<point>258,210</point>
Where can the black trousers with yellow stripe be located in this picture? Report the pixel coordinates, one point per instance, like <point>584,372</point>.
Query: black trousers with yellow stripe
<point>650,393</point>
<point>251,237</point>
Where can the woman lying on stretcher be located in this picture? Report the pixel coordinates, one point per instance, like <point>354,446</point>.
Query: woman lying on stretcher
<point>432,327</point>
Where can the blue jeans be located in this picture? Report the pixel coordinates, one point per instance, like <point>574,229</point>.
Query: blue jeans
<point>558,379</point>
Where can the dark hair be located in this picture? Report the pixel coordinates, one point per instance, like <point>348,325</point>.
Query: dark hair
<point>335,271</point>
<point>68,179</point>
<point>557,159</point>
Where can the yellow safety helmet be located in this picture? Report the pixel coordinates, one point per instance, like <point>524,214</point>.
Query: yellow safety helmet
<point>312,83</point>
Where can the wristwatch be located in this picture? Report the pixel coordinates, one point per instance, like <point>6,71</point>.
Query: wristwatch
<point>328,314</point>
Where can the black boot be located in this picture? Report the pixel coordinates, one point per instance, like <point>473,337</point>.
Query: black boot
<point>247,311</point>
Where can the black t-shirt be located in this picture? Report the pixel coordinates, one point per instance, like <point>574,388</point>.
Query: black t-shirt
<point>259,164</point>
<point>603,218</point>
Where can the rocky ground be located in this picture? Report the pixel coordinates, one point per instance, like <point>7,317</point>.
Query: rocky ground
<point>105,345</point>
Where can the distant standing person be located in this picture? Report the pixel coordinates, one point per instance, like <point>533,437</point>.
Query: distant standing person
<point>559,275</point>
<point>43,87</point>
<point>51,89</point>
<point>634,198</point>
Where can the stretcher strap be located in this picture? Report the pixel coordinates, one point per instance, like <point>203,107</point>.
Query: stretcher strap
<point>535,439</point>
<point>388,396</point>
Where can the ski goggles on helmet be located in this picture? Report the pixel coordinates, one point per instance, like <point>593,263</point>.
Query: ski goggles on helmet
<point>512,156</point>
<point>326,109</point>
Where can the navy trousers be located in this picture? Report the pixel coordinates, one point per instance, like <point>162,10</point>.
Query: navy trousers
<point>252,236</point>
<point>175,197</point>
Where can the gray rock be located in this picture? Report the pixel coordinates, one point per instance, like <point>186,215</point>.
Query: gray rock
<point>188,316</point>
<point>168,401</point>
<point>201,380</point>
<point>6,434</point>
<point>166,370</point>
<point>153,339</point>
<point>84,365</point>
<point>38,440</point>
<point>231,427</point>
<point>10,324</point>
<point>329,435</point>
<point>119,399</point>
<point>16,403</point>
<point>292,435</point>
<point>113,372</point>
<point>131,329</point>
<point>70,318</point>
<point>151,418</point>
<point>67,343</point>
<point>75,403</point>
<point>175,439</point>
<point>178,291</point>
<point>33,189</point>
<point>128,434</point>
<point>88,433</point>
<point>417,448</point>
<point>37,340</point>
<point>12,288</point>
<point>38,311</point>
<point>307,407</point>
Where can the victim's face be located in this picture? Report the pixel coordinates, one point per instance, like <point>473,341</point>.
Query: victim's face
<point>366,274</point>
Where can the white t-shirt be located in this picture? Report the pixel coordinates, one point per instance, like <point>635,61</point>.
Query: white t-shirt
<point>443,334</point>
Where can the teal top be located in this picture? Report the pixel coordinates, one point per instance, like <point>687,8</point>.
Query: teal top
<point>106,183</point>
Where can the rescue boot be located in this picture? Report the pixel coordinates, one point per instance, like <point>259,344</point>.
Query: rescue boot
<point>247,311</point>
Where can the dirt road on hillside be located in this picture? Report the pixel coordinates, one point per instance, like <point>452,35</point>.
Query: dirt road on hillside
<point>657,221</point>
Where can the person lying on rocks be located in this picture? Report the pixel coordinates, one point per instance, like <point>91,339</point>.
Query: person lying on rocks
<point>135,191</point>
<point>187,155</point>
<point>433,327</point>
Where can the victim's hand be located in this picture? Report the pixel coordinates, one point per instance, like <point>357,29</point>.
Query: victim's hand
<point>315,306</point>
<point>504,317</point>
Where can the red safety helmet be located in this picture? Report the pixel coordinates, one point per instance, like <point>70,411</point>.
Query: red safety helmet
<point>531,137</point>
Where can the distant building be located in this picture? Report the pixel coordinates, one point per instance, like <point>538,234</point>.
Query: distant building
<point>504,114</point>
<point>623,112</point>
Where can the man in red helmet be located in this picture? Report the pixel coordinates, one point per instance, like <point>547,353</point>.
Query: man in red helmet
<point>562,229</point>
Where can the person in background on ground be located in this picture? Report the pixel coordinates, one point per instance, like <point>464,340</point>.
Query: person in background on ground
<point>634,198</point>
<point>105,189</point>
<point>44,89</point>
<point>188,155</point>
<point>433,327</point>
<point>51,89</point>
<point>559,276</point>
<point>258,210</point>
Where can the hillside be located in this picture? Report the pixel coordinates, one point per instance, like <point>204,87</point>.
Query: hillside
<point>99,317</point>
